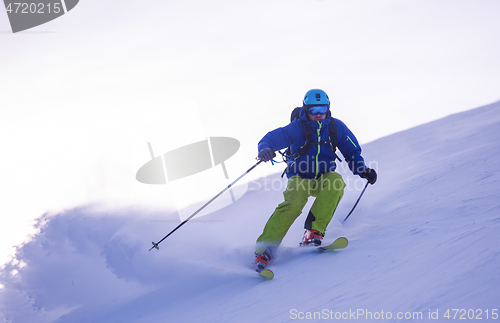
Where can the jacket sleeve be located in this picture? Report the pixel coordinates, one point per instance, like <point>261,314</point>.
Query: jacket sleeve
<point>279,138</point>
<point>350,148</point>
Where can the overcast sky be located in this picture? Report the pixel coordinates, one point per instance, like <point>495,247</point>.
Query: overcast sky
<point>82,95</point>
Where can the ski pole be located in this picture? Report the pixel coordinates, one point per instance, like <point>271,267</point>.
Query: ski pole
<point>155,245</point>
<point>359,198</point>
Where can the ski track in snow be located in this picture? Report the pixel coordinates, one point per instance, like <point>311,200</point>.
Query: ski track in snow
<point>423,238</point>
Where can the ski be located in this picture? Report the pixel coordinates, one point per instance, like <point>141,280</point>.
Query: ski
<point>266,273</point>
<point>340,243</point>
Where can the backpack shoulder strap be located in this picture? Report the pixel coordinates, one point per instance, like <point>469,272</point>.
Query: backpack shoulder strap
<point>333,133</point>
<point>332,129</point>
<point>309,138</point>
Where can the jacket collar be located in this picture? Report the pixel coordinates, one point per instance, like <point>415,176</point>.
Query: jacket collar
<point>315,124</point>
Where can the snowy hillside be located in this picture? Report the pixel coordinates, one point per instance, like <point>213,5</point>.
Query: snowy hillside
<point>423,240</point>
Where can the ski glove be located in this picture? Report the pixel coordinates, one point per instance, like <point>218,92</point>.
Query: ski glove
<point>370,175</point>
<point>266,154</point>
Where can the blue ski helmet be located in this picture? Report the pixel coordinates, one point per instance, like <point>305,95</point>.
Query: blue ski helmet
<point>316,97</point>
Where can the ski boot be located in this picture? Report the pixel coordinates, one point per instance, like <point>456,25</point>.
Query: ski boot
<point>261,261</point>
<point>312,237</point>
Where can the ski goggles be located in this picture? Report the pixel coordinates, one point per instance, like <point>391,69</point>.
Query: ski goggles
<point>321,109</point>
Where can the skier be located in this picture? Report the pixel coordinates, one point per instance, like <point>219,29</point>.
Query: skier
<point>311,172</point>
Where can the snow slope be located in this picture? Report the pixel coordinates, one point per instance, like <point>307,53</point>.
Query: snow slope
<point>424,239</point>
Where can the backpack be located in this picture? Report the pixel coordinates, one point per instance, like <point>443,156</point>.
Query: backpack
<point>332,129</point>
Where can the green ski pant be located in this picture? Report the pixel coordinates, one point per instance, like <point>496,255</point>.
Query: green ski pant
<point>328,191</point>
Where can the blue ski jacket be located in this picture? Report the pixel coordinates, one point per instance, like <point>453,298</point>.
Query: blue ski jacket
<point>319,159</point>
